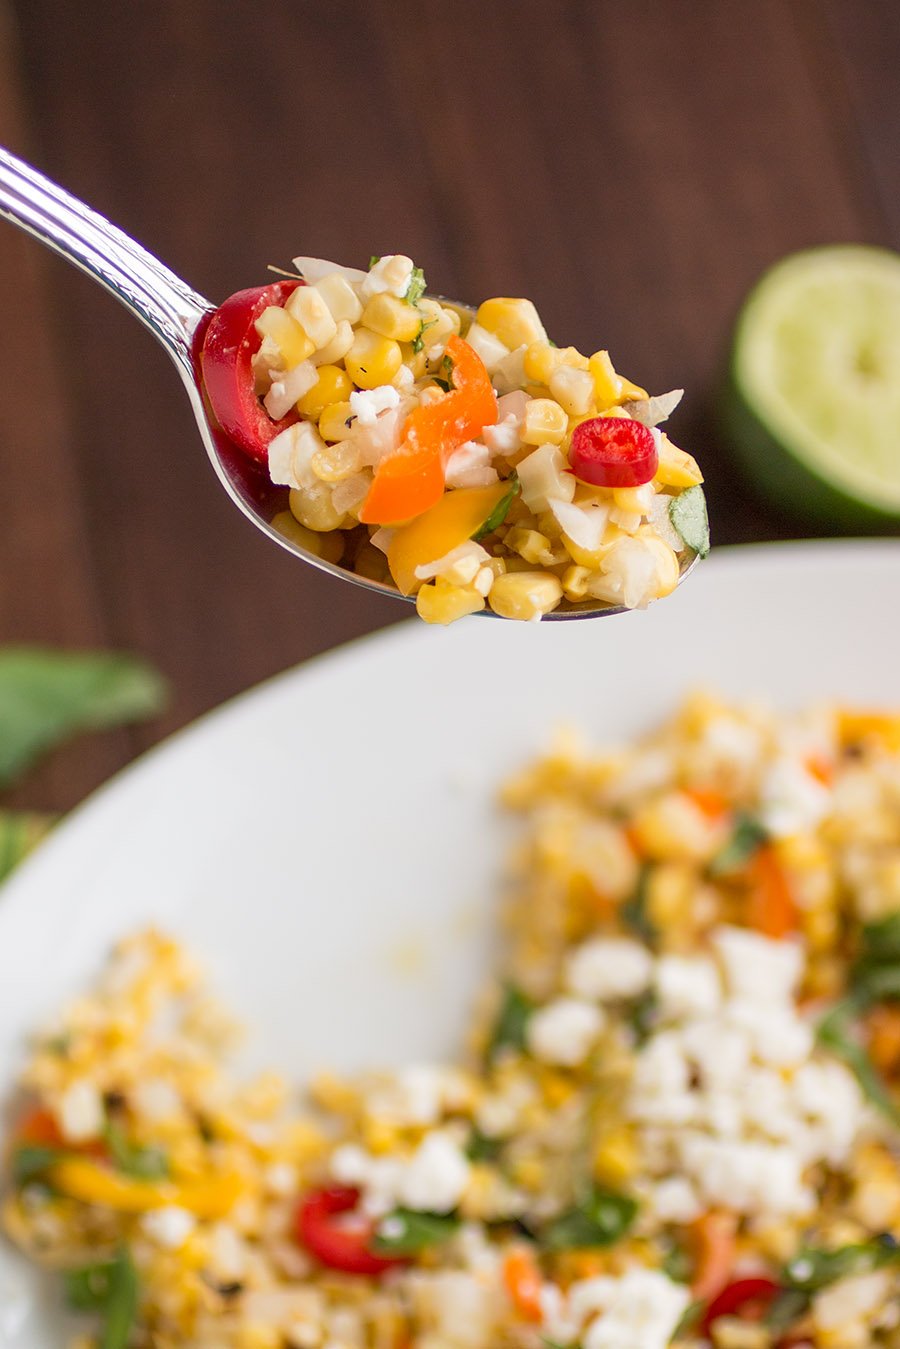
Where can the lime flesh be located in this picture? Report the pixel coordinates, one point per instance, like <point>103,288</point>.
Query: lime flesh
<point>816,383</point>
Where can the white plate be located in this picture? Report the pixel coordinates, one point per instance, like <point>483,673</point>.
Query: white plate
<point>328,842</point>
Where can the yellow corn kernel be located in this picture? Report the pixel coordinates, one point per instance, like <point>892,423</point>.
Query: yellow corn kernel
<point>514,322</point>
<point>391,317</point>
<point>635,499</point>
<point>312,507</point>
<point>307,306</point>
<point>632,391</point>
<point>574,583</point>
<point>440,602</point>
<point>676,467</point>
<point>557,1089</point>
<point>607,384</point>
<point>334,463</point>
<point>417,361</point>
<point>671,889</point>
<point>379,1137</point>
<point>531,545</point>
<point>258,1335</point>
<point>292,342</point>
<point>341,298</point>
<point>615,1157</point>
<point>592,557</point>
<point>333,421</point>
<point>332,386</point>
<point>337,348</point>
<point>668,569</point>
<point>544,423</point>
<point>327,546</point>
<point>525,595</point>
<point>373,360</point>
<point>540,361</point>
<point>573,389</point>
<point>334,1094</point>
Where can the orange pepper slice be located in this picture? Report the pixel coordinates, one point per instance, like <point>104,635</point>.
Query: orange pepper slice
<point>522,1281</point>
<point>772,910</point>
<point>411,479</point>
<point>714,1240</point>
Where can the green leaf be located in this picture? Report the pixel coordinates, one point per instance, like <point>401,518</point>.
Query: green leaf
<point>20,832</point>
<point>835,1032</point>
<point>512,1021</point>
<point>786,1308</point>
<point>419,339</point>
<point>111,1288</point>
<point>640,1014</point>
<point>443,384</point>
<point>372,260</point>
<point>634,910</point>
<point>416,288</point>
<point>876,974</point>
<point>688,515</point>
<point>601,1219</point>
<point>748,837</point>
<point>501,510</point>
<point>407,1232</point>
<point>144,1163</point>
<point>47,696</point>
<point>691,1315</point>
<point>881,940</point>
<point>481,1148</point>
<point>812,1268</point>
<point>31,1160</point>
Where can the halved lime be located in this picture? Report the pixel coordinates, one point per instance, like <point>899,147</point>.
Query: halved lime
<point>814,407</point>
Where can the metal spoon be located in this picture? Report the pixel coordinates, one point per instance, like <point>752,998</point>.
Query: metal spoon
<point>177,316</point>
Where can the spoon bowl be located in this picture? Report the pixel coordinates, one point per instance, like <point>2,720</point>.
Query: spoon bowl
<point>178,317</point>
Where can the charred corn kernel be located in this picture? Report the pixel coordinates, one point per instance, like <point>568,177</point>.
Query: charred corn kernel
<point>307,306</point>
<point>440,602</point>
<point>372,360</point>
<point>340,297</point>
<point>334,463</point>
<point>287,335</point>
<point>530,545</point>
<point>336,421</point>
<point>312,507</point>
<point>544,422</point>
<point>525,594</point>
<point>676,467</point>
<point>573,389</point>
<point>615,1157</point>
<point>574,583</point>
<point>390,317</point>
<point>337,348</point>
<point>514,322</point>
<point>332,386</point>
<point>330,547</point>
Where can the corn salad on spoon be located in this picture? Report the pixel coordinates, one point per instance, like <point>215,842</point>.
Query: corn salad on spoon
<point>177,316</point>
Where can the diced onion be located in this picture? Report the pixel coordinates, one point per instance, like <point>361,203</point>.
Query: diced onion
<point>585,525</point>
<point>288,387</point>
<point>314,269</point>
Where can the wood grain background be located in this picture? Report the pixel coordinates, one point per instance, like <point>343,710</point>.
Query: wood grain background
<point>633,166</point>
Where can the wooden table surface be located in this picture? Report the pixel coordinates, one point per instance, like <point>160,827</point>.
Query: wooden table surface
<point>631,165</point>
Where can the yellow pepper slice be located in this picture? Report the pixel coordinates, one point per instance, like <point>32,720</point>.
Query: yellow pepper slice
<point>444,526</point>
<point>78,1177</point>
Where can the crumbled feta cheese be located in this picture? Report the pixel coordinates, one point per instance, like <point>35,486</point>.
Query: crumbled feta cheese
<point>367,403</point>
<point>291,453</point>
<point>674,1200</point>
<point>639,1310</point>
<point>80,1112</point>
<point>280,1179</point>
<point>503,438</point>
<point>777,1036</point>
<point>389,275</point>
<point>793,801</point>
<point>686,986</point>
<point>436,1175</point>
<point>564,1031</point>
<point>758,967</point>
<point>470,466</point>
<point>746,1176</point>
<point>169,1226</point>
<point>608,968</point>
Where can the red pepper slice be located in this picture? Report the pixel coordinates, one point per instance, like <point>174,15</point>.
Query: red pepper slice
<point>330,1228</point>
<point>613,452</point>
<point>229,345</point>
<point>746,1298</point>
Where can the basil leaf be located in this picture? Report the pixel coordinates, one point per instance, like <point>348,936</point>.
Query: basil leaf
<point>20,832</point>
<point>687,513</point>
<point>419,339</point>
<point>144,1163</point>
<point>87,1289</point>
<point>501,510</point>
<point>812,1269</point>
<point>634,910</point>
<point>407,1232</point>
<point>47,696</point>
<point>512,1021</point>
<point>835,1032</point>
<point>31,1160</point>
<point>748,837</point>
<point>111,1288</point>
<point>416,288</point>
<point>601,1219</point>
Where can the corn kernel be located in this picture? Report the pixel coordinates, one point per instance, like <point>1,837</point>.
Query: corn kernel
<point>615,1157</point>
<point>416,361</point>
<point>668,570</point>
<point>544,422</point>
<point>312,507</point>
<point>574,583</point>
<point>531,545</point>
<point>390,317</point>
<point>337,348</point>
<point>373,360</point>
<point>438,602</point>
<point>676,467</point>
<point>607,384</point>
<point>307,306</point>
<point>292,342</point>
<point>327,546</point>
<point>439,321</point>
<point>515,322</point>
<point>334,463</point>
<point>573,389</point>
<point>332,386</point>
<point>333,421</point>
<point>525,595</point>
<point>341,298</point>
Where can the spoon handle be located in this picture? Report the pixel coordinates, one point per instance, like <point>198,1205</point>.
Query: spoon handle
<point>160,299</point>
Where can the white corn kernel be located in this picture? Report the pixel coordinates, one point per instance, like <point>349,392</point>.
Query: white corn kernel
<point>573,389</point>
<point>544,422</point>
<point>307,306</point>
<point>341,298</point>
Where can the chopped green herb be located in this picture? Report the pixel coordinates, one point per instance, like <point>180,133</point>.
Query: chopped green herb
<point>634,910</point>
<point>419,339</point>
<point>747,838</point>
<point>31,1160</point>
<point>372,260</point>
<point>501,510</point>
<point>876,972</point>
<point>144,1163</point>
<point>601,1219</point>
<point>678,1264</point>
<point>692,1313</point>
<point>813,1269</point>
<point>836,1032</point>
<point>407,1232</point>
<point>442,383</point>
<point>110,1288</point>
<point>416,287</point>
<point>786,1308</point>
<point>482,1148</point>
<point>688,515</point>
<point>511,1023</point>
<point>641,1014</point>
